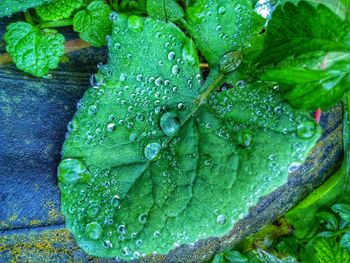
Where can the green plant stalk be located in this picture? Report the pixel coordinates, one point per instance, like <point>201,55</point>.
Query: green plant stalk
<point>58,23</point>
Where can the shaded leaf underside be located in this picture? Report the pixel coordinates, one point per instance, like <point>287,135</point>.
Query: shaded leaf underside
<point>231,149</point>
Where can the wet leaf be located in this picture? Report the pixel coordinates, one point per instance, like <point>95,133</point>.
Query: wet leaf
<point>165,153</point>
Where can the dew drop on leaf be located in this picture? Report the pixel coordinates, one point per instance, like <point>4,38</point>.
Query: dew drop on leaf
<point>169,123</point>
<point>152,150</point>
<point>135,23</point>
<point>306,129</point>
<point>221,219</point>
<point>93,230</point>
<point>142,219</point>
<point>93,210</point>
<point>221,10</point>
<point>230,62</point>
<point>71,171</point>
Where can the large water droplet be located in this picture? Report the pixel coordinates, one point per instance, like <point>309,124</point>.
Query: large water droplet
<point>221,219</point>
<point>306,129</point>
<point>93,230</point>
<point>170,123</point>
<point>265,8</point>
<point>152,150</point>
<point>71,171</point>
<point>135,23</point>
<point>221,10</point>
<point>230,62</point>
<point>245,138</point>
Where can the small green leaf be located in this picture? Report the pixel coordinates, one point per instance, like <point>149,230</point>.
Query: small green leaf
<point>235,257</point>
<point>343,210</point>
<point>34,51</point>
<point>94,24</point>
<point>312,89</point>
<point>330,220</point>
<point>297,30</point>
<point>9,7</point>
<point>58,9</point>
<point>345,241</point>
<point>168,10</point>
<point>218,258</point>
<point>328,250</point>
<point>221,27</point>
<point>157,184</point>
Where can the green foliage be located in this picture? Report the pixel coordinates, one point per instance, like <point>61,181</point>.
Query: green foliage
<point>150,135</point>
<point>34,51</point>
<point>312,89</point>
<point>297,30</point>
<point>168,10</point>
<point>58,9</point>
<point>9,7</point>
<point>94,24</point>
<point>222,27</point>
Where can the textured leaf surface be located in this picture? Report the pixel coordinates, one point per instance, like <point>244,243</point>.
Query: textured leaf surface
<point>153,160</point>
<point>222,26</point>
<point>312,89</point>
<point>168,10</point>
<point>9,7</point>
<point>34,51</point>
<point>296,30</point>
<point>58,9</point>
<point>93,24</point>
<point>328,250</point>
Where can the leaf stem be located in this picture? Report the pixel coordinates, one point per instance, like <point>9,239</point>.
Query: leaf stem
<point>58,23</point>
<point>29,18</point>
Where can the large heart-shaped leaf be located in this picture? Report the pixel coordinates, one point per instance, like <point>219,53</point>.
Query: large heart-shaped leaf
<point>154,159</point>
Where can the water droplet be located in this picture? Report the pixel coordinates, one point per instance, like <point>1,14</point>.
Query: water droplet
<point>264,8</point>
<point>158,82</point>
<point>306,129</point>
<point>230,62</point>
<point>221,10</point>
<point>111,127</point>
<point>293,167</point>
<point>115,202</point>
<point>121,230</point>
<point>175,69</point>
<point>93,230</point>
<point>93,210</point>
<point>221,219</point>
<point>71,171</point>
<point>107,244</point>
<point>245,139</point>
<point>142,219</point>
<point>170,123</point>
<point>126,251</point>
<point>135,23</point>
<point>92,110</point>
<point>171,55</point>
<point>152,150</point>
<point>113,16</point>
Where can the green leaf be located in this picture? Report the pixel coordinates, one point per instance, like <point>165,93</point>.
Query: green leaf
<point>297,30</point>
<point>58,9</point>
<point>94,24</point>
<point>345,240</point>
<point>312,89</point>
<point>9,7</point>
<point>343,210</point>
<point>222,27</point>
<point>168,10</point>
<point>328,218</point>
<point>303,216</point>
<point>167,163</point>
<point>34,51</point>
<point>235,257</point>
<point>134,6</point>
<point>218,258</point>
<point>328,250</point>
